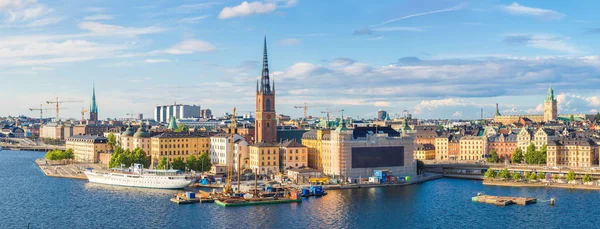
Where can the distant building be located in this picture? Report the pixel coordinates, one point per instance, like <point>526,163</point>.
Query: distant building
<point>292,155</point>
<point>206,113</point>
<point>473,148</point>
<point>52,131</point>
<point>572,152</point>
<point>264,158</point>
<point>220,150</point>
<point>173,145</point>
<point>503,144</point>
<point>93,108</point>
<point>87,148</point>
<point>424,152</point>
<point>382,115</point>
<point>164,113</point>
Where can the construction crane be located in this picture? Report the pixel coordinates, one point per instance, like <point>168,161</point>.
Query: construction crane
<point>232,130</point>
<point>57,102</point>
<point>83,110</point>
<point>41,109</point>
<point>131,115</point>
<point>328,112</point>
<point>306,107</point>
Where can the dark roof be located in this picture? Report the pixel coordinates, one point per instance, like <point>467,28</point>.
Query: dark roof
<point>290,143</point>
<point>264,144</point>
<point>88,138</point>
<point>425,147</point>
<point>179,135</point>
<point>361,132</point>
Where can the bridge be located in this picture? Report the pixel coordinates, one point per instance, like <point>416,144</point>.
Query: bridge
<point>464,170</point>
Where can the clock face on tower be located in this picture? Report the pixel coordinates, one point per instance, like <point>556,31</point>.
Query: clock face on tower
<point>268,116</point>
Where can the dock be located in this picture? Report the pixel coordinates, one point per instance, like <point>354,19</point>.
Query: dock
<point>503,200</point>
<point>242,202</point>
<point>61,170</point>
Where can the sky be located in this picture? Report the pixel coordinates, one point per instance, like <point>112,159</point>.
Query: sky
<point>435,59</point>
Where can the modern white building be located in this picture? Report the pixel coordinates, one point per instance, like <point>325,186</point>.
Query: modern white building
<point>220,149</point>
<point>162,114</point>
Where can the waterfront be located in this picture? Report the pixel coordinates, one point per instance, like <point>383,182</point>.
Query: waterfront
<point>27,196</point>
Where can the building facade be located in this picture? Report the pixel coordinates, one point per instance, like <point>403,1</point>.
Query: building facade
<point>473,148</point>
<point>173,145</point>
<point>424,152</point>
<point>550,107</point>
<point>265,123</point>
<point>264,158</point>
<point>572,152</point>
<point>503,144</point>
<point>87,148</point>
<point>163,114</point>
<point>292,155</point>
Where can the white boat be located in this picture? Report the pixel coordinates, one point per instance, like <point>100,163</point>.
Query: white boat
<point>140,177</point>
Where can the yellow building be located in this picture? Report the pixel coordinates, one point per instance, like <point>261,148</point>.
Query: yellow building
<point>87,147</point>
<point>292,155</point>
<point>441,147</point>
<point>472,148</point>
<point>313,140</point>
<point>424,152</point>
<point>173,145</point>
<point>264,158</point>
<point>572,152</point>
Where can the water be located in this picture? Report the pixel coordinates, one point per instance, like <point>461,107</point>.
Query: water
<point>27,196</point>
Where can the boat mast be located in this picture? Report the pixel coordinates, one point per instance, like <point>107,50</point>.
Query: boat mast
<point>232,130</point>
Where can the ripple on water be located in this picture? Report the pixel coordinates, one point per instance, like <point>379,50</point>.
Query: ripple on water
<point>27,196</point>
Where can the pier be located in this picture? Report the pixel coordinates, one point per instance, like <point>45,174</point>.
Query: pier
<point>57,169</point>
<point>503,200</point>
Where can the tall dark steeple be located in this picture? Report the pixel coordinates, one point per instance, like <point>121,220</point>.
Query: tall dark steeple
<point>265,122</point>
<point>264,80</point>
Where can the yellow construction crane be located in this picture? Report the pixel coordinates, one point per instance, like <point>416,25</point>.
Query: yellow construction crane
<point>306,107</point>
<point>57,102</point>
<point>83,110</point>
<point>41,109</point>
<point>232,130</point>
<point>328,112</point>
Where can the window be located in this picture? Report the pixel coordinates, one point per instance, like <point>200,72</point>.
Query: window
<point>268,105</point>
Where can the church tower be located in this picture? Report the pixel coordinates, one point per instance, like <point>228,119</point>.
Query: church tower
<point>550,106</point>
<point>265,121</point>
<point>94,108</point>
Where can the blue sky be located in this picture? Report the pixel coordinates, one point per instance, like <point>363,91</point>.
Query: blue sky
<point>437,59</point>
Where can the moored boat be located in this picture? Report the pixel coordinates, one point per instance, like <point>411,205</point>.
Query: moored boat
<point>140,177</point>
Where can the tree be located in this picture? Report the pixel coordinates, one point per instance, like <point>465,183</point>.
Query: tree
<point>192,163</point>
<point>115,159</point>
<point>493,157</point>
<point>571,176</point>
<point>69,154</point>
<point>517,156</point>
<point>112,141</point>
<point>531,176</point>
<point>555,177</point>
<point>530,154</point>
<point>597,117</point>
<point>139,156</point>
<point>503,174</point>
<point>490,173</point>
<point>571,120</point>
<point>542,155</point>
<point>182,128</point>
<point>162,164</point>
<point>204,163</point>
<point>587,178</point>
<point>178,164</point>
<point>516,176</point>
<point>541,176</point>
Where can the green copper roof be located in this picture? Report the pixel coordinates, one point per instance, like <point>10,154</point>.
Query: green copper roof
<point>342,125</point>
<point>141,133</point>
<point>128,132</point>
<point>550,95</point>
<point>94,108</point>
<point>172,124</point>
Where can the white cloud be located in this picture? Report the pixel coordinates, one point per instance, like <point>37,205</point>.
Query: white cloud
<point>245,9</point>
<point>153,61</point>
<point>28,13</point>
<point>191,46</point>
<point>457,114</point>
<point>541,41</point>
<point>100,29</point>
<point>193,20</point>
<point>98,17</point>
<point>382,104</point>
<point>517,9</point>
<point>290,41</point>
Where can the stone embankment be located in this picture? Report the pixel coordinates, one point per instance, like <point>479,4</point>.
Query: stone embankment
<point>551,184</point>
<point>63,170</point>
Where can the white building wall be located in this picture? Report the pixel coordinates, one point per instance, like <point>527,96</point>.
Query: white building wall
<point>220,149</point>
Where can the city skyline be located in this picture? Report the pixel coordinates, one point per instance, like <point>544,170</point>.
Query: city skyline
<point>443,59</point>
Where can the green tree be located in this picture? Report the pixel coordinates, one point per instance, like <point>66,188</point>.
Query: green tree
<point>555,177</point>
<point>541,176</point>
<point>182,128</point>
<point>192,163</point>
<point>571,120</point>
<point>530,154</point>
<point>504,174</point>
<point>490,173</point>
<point>112,141</point>
<point>531,176</point>
<point>571,176</point>
<point>420,167</point>
<point>517,156</point>
<point>587,178</point>
<point>493,157</point>
<point>115,159</point>
<point>516,176</point>
<point>162,164</point>
<point>51,155</point>
<point>204,163</point>
<point>597,117</point>
<point>178,164</point>
<point>69,154</point>
<point>139,156</point>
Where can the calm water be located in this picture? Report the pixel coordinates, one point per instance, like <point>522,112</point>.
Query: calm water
<point>27,196</point>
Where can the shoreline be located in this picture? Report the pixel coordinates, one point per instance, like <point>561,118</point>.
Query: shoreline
<point>539,185</point>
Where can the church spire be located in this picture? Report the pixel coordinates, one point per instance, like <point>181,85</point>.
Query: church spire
<point>497,110</point>
<point>264,81</point>
<point>94,107</point>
